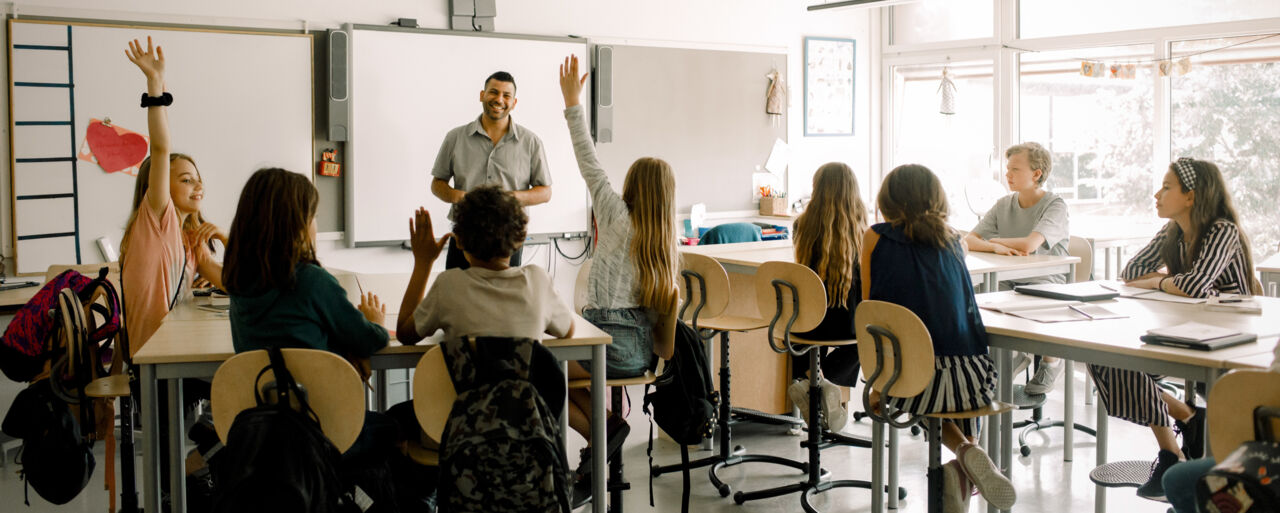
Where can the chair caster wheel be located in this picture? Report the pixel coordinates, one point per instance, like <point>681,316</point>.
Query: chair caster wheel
<point>902,494</point>
<point>738,499</point>
<point>915,430</point>
<point>1025,451</point>
<point>724,490</point>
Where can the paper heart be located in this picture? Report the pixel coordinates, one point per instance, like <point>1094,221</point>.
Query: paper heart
<point>115,149</point>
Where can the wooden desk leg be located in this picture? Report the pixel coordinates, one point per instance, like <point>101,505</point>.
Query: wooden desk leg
<point>1099,492</point>
<point>1068,409</point>
<point>598,442</point>
<point>150,405</point>
<point>177,470</point>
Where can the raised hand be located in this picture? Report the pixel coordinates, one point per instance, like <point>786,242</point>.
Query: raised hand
<point>570,83</point>
<point>373,309</point>
<point>422,238</point>
<point>150,61</point>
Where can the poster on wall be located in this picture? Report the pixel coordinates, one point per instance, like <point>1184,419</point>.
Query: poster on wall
<point>828,86</point>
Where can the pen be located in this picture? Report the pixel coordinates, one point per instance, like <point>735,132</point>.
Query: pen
<point>1108,287</point>
<point>1079,311</point>
<point>1236,300</point>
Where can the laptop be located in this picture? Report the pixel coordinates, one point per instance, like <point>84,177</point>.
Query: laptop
<point>1084,291</point>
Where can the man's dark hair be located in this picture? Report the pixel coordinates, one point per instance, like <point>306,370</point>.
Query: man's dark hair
<point>502,76</point>
<point>489,223</point>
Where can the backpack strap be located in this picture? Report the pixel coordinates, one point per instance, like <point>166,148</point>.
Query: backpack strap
<point>285,385</point>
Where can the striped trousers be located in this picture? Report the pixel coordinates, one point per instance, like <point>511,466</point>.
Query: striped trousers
<point>1131,395</point>
<point>960,383</point>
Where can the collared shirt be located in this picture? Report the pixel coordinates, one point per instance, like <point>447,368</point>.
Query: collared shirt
<point>470,158</point>
<point>1219,266</point>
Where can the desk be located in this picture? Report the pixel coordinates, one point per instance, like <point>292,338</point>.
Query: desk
<point>1114,238</point>
<point>192,343</point>
<point>13,299</point>
<point>755,358</point>
<point>1270,271</point>
<point>1115,343</point>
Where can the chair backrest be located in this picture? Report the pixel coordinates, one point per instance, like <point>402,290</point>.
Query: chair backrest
<point>729,233</point>
<point>878,323</point>
<point>1080,248</point>
<point>1231,404</point>
<point>580,286</point>
<point>433,393</point>
<point>803,309</point>
<point>699,272</point>
<point>333,388</point>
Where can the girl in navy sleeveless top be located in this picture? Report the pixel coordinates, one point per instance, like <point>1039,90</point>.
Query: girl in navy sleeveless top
<point>915,260</point>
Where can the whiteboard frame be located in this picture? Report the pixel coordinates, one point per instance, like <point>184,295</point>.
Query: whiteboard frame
<point>349,184</point>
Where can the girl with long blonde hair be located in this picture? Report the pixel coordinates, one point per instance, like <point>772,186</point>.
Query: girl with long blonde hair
<point>828,239</point>
<point>631,290</point>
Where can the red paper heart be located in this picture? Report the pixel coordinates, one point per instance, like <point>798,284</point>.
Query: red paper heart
<point>115,151</point>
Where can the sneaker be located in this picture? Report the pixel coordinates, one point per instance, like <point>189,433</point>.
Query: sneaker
<point>983,473</point>
<point>1021,361</point>
<point>581,492</point>
<point>956,488</point>
<point>798,392</point>
<point>1192,431</point>
<point>834,413</point>
<point>1154,488</point>
<point>1044,378</point>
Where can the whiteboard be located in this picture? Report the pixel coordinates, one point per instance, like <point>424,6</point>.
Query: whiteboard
<point>242,101</point>
<point>410,87</point>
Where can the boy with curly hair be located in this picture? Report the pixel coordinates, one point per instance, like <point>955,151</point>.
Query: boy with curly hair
<point>490,298</point>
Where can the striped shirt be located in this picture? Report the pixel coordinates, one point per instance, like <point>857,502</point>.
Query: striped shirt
<point>1220,266</point>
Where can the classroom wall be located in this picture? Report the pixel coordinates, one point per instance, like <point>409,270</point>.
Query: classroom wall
<point>711,24</point>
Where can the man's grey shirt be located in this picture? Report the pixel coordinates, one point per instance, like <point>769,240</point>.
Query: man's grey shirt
<point>470,158</point>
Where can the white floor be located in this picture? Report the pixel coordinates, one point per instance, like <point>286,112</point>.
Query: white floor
<point>1044,482</point>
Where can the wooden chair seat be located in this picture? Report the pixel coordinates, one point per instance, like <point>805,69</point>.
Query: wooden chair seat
<point>433,393</point>
<point>422,455</point>
<point>826,343</point>
<point>995,408</point>
<point>108,386</point>
<point>647,378</point>
<point>732,323</point>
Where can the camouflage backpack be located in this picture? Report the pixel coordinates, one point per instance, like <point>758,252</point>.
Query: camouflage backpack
<point>502,449</point>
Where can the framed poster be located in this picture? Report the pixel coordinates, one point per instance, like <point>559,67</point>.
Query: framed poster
<point>828,86</point>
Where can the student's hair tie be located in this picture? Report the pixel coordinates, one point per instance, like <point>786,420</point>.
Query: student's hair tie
<point>163,100</point>
<point>1186,172</point>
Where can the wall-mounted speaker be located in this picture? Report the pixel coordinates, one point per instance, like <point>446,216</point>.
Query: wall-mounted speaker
<point>339,84</point>
<point>602,121</point>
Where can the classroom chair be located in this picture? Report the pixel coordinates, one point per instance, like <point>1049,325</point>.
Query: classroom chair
<point>1231,404</point>
<point>333,388</point>
<point>793,298</point>
<point>433,396</point>
<point>900,346</point>
<point>1076,247</point>
<point>705,290</point>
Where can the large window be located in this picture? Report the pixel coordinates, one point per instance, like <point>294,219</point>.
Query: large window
<point>1098,129</point>
<point>1044,18</point>
<point>1227,110</point>
<point>957,147</point>
<point>931,21</point>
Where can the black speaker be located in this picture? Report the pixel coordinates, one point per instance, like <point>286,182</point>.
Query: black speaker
<point>339,125</point>
<point>602,121</point>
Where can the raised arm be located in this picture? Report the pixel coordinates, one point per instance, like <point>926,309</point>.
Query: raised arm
<point>151,62</point>
<point>606,203</point>
<point>426,249</point>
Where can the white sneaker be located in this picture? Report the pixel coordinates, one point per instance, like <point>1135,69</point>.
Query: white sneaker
<point>1021,361</point>
<point>956,488</point>
<point>1044,378</point>
<point>834,414</point>
<point>983,473</point>
<point>798,392</point>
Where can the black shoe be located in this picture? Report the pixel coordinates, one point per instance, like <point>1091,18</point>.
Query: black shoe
<point>1192,433</point>
<point>1154,488</point>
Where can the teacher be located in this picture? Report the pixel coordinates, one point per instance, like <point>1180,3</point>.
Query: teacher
<point>492,150</point>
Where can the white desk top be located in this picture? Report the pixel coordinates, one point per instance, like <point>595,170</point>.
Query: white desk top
<point>752,254</point>
<point>1121,336</point>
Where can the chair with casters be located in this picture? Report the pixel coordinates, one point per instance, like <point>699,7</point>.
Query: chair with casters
<point>1076,247</point>
<point>793,298</point>
<point>900,346</point>
<point>705,292</point>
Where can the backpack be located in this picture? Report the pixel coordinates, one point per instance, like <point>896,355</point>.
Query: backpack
<point>57,459</point>
<point>1249,479</point>
<point>683,401</point>
<point>502,449</point>
<point>26,346</point>
<point>276,458</point>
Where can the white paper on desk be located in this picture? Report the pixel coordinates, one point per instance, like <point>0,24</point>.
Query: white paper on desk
<point>778,157</point>
<point>1025,303</point>
<point>1150,294</point>
<point>1193,331</point>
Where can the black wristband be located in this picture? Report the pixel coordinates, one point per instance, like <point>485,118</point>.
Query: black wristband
<point>163,100</point>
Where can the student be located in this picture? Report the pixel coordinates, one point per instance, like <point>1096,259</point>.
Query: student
<point>280,296</point>
<point>493,149</point>
<point>1200,252</point>
<point>631,290</point>
<point>828,239</point>
<point>165,240</point>
<point>915,260</point>
<point>1030,221</point>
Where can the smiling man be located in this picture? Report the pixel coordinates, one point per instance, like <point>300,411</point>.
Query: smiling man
<point>492,150</point>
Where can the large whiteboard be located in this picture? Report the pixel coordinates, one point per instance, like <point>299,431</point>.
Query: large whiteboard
<point>410,87</point>
<point>241,101</point>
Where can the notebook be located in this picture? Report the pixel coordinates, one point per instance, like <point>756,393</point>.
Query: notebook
<point>1085,291</point>
<point>1052,310</point>
<point>1194,335</point>
<point>1150,294</point>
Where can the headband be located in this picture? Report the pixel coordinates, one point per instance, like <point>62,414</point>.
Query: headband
<point>1186,172</point>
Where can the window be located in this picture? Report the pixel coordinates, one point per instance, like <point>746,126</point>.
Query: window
<point>1227,110</point>
<point>931,21</point>
<point>1045,18</point>
<point>956,147</point>
<point>1099,131</point>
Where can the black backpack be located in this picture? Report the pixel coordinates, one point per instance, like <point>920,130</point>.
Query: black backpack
<point>683,400</point>
<point>1248,479</point>
<point>502,449</point>
<point>276,458</point>
<point>57,459</point>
